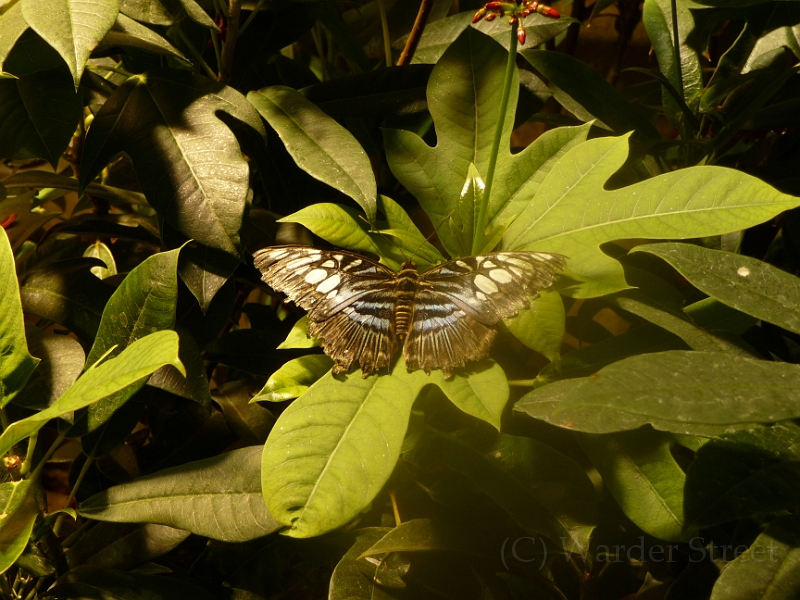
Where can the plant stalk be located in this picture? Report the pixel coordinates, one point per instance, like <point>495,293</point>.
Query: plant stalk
<point>387,43</point>
<point>231,36</point>
<point>511,65</point>
<point>416,33</point>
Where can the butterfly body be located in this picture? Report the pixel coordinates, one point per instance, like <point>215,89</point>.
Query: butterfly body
<point>442,318</point>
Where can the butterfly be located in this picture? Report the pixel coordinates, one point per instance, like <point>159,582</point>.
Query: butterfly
<point>443,318</point>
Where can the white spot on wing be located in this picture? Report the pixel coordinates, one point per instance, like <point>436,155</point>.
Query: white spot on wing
<point>352,265</point>
<point>485,284</point>
<point>328,264</point>
<point>481,296</point>
<point>500,275</point>
<point>329,284</point>
<point>463,265</point>
<point>489,265</point>
<point>315,276</point>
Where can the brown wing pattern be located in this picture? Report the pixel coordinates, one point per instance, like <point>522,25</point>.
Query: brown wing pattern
<point>349,299</point>
<point>459,302</point>
<point>352,301</point>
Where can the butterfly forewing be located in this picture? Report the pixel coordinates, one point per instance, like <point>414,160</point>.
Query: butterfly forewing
<point>353,303</point>
<point>494,286</point>
<point>349,300</point>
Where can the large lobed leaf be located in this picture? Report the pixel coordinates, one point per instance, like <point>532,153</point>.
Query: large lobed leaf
<point>73,27</point>
<point>573,214</point>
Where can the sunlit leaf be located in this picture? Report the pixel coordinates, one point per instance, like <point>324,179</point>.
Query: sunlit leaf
<point>218,497</point>
<point>16,363</point>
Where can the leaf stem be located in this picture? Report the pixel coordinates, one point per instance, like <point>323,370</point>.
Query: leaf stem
<point>193,51</point>
<point>387,43</point>
<point>511,65</point>
<point>26,466</point>
<point>252,16</point>
<point>73,491</point>
<point>230,41</point>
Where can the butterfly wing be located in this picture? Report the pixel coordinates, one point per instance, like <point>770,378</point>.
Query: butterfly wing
<point>350,301</point>
<point>459,303</point>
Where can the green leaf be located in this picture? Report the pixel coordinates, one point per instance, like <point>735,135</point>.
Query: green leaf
<point>62,362</point>
<point>294,378</point>
<point>16,363</point>
<point>355,578</point>
<point>136,362</point>
<point>298,336</point>
<point>12,26</point>
<point>101,251</point>
<point>127,32</point>
<point>640,472</point>
<point>463,95</point>
<point>250,422</point>
<point>39,111</point>
<point>18,511</point>
<point>68,293</point>
<point>744,283</point>
<point>463,221</point>
<point>541,489</point>
<point>768,569</point>
<point>163,121</point>
<point>420,535</point>
<point>218,497</point>
<point>333,449</point>
<point>407,235</point>
<point>482,391</point>
<point>547,404</point>
<point>72,27</point>
<point>743,474</point>
<point>585,93</point>
<point>146,11</point>
<point>519,175</point>
<point>335,224</point>
<point>123,545</point>
<point>318,144</point>
<point>571,213</point>
<point>541,326</point>
<point>711,389</point>
<point>143,303</point>
<point>675,321</point>
<point>657,18</point>
<point>590,359</point>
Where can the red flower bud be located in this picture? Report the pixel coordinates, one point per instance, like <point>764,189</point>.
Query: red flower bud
<point>491,5</point>
<point>8,220</point>
<point>479,15</point>
<point>491,16</point>
<point>548,12</point>
<point>521,35</point>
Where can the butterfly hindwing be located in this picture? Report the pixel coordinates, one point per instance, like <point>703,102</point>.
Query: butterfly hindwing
<point>353,303</point>
<point>443,336</point>
<point>459,302</point>
<point>349,299</point>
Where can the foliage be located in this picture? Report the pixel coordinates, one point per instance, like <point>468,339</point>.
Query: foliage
<point>634,429</point>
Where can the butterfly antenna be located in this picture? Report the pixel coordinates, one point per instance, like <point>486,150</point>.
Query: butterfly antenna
<point>373,229</point>
<point>432,233</point>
